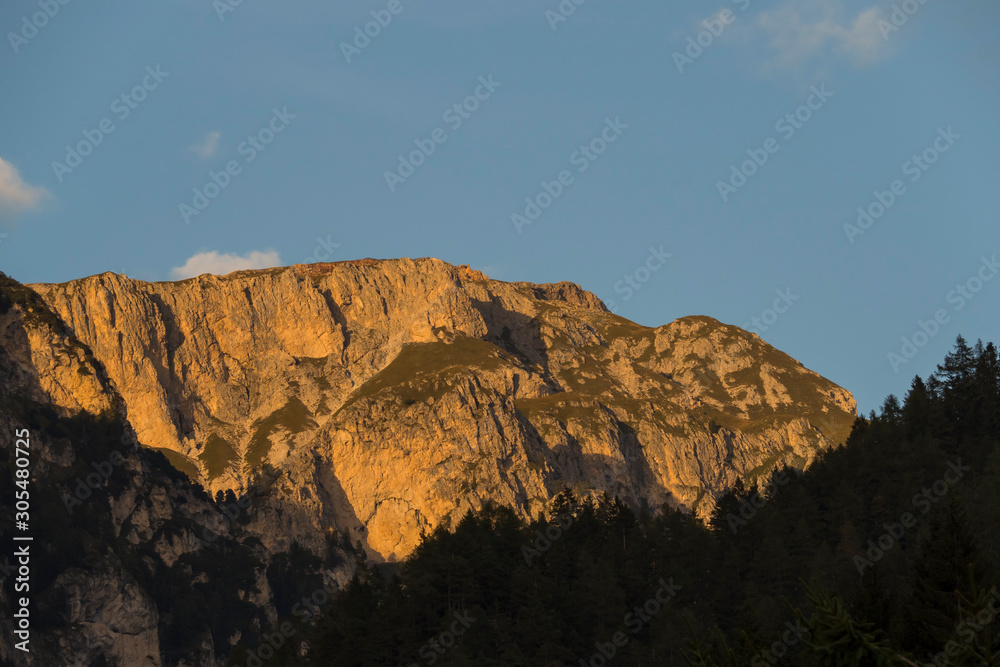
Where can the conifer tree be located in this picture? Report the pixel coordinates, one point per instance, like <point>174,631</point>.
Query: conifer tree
<point>835,639</point>
<point>916,408</point>
<point>949,562</point>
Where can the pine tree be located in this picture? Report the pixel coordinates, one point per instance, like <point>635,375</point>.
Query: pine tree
<point>891,410</point>
<point>699,653</point>
<point>726,519</point>
<point>959,366</point>
<point>956,380</point>
<point>950,559</point>
<point>986,396</point>
<point>916,408</point>
<point>835,639</point>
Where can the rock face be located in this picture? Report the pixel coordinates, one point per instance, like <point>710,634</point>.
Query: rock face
<point>394,395</point>
<point>105,606</point>
<point>115,528</point>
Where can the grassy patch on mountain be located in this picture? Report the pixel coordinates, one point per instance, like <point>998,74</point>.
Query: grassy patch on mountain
<point>322,408</point>
<point>180,463</point>
<point>293,418</point>
<point>217,455</point>
<point>415,374</point>
<point>317,366</point>
<point>612,326</point>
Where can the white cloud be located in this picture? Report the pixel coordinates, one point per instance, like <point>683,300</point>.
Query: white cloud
<point>800,30</point>
<point>15,194</point>
<point>208,146</point>
<point>221,264</point>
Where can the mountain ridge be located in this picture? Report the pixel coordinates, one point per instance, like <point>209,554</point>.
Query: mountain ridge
<point>396,394</point>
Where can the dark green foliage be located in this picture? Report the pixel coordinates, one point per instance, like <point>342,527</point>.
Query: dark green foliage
<point>884,593</point>
<point>292,576</point>
<point>834,639</point>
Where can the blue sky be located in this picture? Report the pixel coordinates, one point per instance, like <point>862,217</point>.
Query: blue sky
<point>158,99</point>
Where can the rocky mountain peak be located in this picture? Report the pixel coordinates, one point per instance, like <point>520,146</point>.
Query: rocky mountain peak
<point>393,395</point>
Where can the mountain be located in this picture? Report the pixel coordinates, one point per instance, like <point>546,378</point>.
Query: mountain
<point>386,398</point>
<point>129,561</point>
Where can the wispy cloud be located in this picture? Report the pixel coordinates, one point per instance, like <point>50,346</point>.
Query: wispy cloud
<point>801,30</point>
<point>15,194</point>
<point>208,145</point>
<point>221,264</point>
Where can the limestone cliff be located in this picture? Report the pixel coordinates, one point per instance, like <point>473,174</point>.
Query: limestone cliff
<point>391,396</point>
<point>126,551</point>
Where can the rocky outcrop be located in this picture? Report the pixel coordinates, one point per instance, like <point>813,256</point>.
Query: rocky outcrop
<point>111,615</point>
<point>118,535</point>
<point>391,396</point>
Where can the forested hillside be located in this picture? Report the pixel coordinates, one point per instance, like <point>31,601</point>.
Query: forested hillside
<point>882,552</point>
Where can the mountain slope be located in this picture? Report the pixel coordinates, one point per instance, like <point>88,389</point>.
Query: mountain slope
<point>394,395</point>
<point>130,561</point>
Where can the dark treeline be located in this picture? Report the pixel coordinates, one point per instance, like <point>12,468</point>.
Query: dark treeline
<point>882,553</point>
